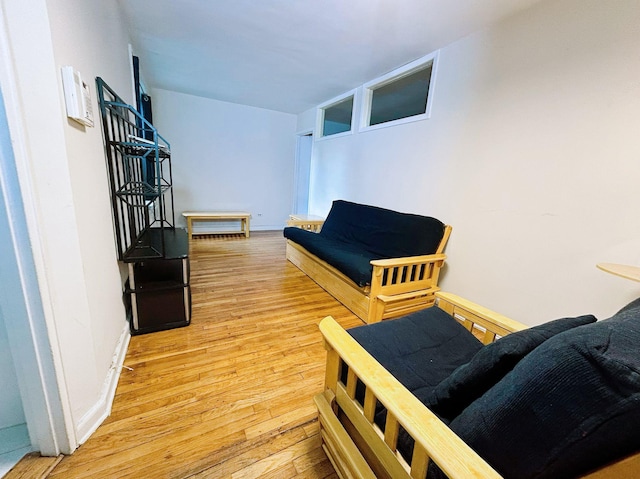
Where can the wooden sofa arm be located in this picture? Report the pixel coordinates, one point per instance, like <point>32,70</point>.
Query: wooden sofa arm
<point>408,282</point>
<point>434,440</point>
<point>472,315</point>
<point>309,225</point>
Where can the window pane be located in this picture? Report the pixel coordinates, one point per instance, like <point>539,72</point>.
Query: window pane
<point>337,118</point>
<point>401,98</point>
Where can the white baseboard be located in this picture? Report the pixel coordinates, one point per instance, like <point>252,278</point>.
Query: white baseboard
<point>268,228</point>
<point>214,227</point>
<point>101,410</point>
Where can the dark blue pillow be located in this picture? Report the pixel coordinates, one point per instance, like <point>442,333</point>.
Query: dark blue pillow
<point>570,406</point>
<point>490,364</point>
<point>635,304</point>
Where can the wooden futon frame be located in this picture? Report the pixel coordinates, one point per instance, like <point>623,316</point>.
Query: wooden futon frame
<point>359,448</point>
<point>395,287</point>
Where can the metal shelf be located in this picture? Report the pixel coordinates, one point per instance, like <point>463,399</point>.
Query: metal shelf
<point>139,164</point>
<point>143,150</point>
<point>139,189</point>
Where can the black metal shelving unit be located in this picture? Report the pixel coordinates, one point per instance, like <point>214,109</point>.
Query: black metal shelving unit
<point>157,293</point>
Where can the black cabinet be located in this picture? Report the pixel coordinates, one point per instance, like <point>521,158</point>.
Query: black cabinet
<point>158,293</point>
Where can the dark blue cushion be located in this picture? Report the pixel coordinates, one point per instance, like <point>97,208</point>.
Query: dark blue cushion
<point>383,233</point>
<point>350,259</point>
<point>490,364</point>
<point>419,349</point>
<point>571,405</point>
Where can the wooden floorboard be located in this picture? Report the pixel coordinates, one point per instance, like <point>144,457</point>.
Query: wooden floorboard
<point>33,466</point>
<point>229,396</point>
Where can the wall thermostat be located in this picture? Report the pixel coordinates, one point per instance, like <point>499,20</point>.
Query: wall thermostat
<point>77,97</point>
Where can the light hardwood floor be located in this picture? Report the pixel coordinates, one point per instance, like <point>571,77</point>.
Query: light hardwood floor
<point>229,396</point>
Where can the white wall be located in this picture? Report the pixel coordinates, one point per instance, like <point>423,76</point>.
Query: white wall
<point>63,178</point>
<point>228,157</point>
<point>92,37</point>
<point>532,153</point>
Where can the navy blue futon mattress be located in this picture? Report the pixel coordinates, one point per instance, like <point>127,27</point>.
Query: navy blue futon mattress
<point>419,350</point>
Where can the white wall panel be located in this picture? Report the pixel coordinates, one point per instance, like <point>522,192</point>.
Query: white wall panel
<point>228,157</point>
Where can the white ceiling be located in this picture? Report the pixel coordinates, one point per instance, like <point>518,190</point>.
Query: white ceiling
<point>291,55</point>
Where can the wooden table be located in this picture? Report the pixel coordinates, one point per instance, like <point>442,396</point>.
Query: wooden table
<point>243,216</point>
<point>622,270</point>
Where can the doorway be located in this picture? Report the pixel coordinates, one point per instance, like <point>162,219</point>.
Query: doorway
<point>304,146</point>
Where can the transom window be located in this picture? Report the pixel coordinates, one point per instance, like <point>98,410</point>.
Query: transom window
<point>337,117</point>
<point>400,96</point>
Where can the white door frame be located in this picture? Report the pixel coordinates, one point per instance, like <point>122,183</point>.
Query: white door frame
<point>33,342</point>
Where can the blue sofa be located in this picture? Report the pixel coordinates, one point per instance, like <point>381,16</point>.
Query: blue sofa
<point>378,262</point>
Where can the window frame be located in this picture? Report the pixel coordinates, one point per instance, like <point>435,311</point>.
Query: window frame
<point>397,74</point>
<point>319,136</point>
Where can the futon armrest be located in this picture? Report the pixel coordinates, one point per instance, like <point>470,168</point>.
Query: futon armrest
<point>410,273</point>
<point>410,281</point>
<point>309,225</point>
<point>408,260</point>
<point>472,315</point>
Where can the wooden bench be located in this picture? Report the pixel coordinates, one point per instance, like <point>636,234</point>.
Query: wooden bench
<point>242,216</point>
